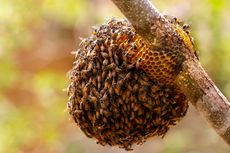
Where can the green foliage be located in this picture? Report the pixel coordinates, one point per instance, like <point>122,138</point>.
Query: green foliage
<point>37,37</point>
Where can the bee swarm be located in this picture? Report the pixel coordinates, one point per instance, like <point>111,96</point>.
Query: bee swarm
<point>120,91</point>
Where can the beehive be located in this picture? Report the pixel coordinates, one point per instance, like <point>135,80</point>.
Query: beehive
<point>120,91</point>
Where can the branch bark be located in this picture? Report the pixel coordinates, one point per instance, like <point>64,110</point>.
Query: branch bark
<point>192,80</point>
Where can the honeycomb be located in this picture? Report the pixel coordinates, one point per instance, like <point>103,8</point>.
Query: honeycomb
<point>120,91</point>
<point>160,64</point>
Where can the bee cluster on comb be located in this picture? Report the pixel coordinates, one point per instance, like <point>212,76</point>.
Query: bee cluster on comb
<point>121,92</point>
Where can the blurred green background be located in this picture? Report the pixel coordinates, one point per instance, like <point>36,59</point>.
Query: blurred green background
<point>36,38</point>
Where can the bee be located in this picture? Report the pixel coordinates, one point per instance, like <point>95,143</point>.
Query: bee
<point>135,87</point>
<point>92,99</point>
<point>104,120</point>
<point>116,58</point>
<point>157,121</point>
<point>103,76</point>
<point>128,76</point>
<point>106,43</point>
<point>120,101</point>
<point>135,107</point>
<point>118,36</point>
<point>101,111</point>
<point>95,93</point>
<point>94,120</point>
<point>124,107</point>
<point>86,133</point>
<point>110,75</point>
<point>126,120</point>
<point>111,91</point>
<point>110,50</point>
<point>161,93</point>
<point>154,88</point>
<point>110,66</point>
<point>98,82</point>
<point>128,93</point>
<point>124,57</point>
<point>90,66</point>
<point>95,31</point>
<point>130,66</point>
<point>121,125</point>
<point>105,97</point>
<point>105,62</point>
<point>95,71</point>
<point>128,107</point>
<point>123,96</point>
<point>132,116</point>
<point>138,63</point>
<point>93,81</point>
<point>142,96</point>
<point>98,66</point>
<point>186,28</point>
<point>70,105</point>
<point>140,111</point>
<point>86,106</point>
<point>113,35</point>
<point>96,46</point>
<point>85,91</point>
<point>107,83</point>
<point>97,114</point>
<point>83,42</point>
<point>157,110</point>
<point>84,74</point>
<point>132,98</point>
<point>107,113</point>
<point>102,48</point>
<point>139,120</point>
<point>117,125</point>
<point>104,55</point>
<point>90,116</point>
<point>114,73</point>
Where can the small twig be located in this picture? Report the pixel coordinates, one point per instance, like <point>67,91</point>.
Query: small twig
<point>193,80</point>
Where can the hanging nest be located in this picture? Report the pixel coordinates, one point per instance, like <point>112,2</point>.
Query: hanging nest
<point>121,92</point>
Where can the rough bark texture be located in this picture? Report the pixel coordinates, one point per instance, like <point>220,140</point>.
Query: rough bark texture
<point>206,97</point>
<point>192,80</point>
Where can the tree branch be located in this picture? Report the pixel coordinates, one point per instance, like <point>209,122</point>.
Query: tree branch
<point>192,80</point>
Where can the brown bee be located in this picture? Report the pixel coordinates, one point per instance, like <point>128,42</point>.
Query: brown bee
<point>85,74</point>
<point>95,92</point>
<point>111,91</point>
<point>86,105</point>
<point>120,101</point>
<point>135,88</point>
<point>106,43</point>
<point>85,91</point>
<point>104,55</point>
<point>92,99</point>
<point>90,66</point>
<point>107,83</point>
<point>103,76</point>
<point>102,48</point>
<point>186,28</point>
<point>70,105</point>
<point>117,125</point>
<point>93,81</point>
<point>111,66</point>
<point>110,50</point>
<point>105,62</point>
<point>128,76</point>
<point>105,97</point>
<point>116,59</point>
